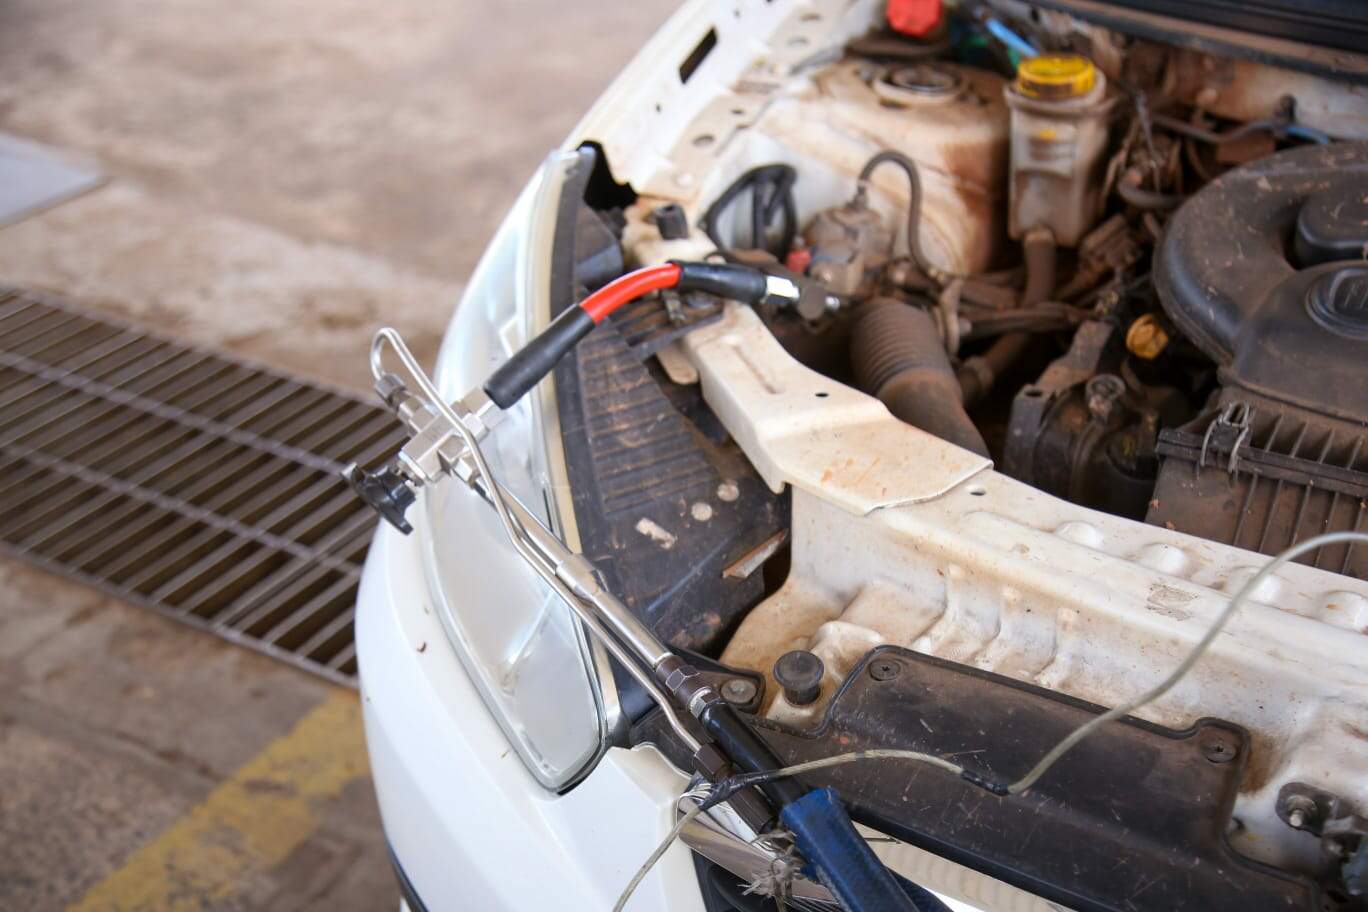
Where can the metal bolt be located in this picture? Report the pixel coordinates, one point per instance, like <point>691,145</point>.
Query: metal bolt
<point>1301,811</point>
<point>1103,392</point>
<point>884,669</point>
<point>739,690</point>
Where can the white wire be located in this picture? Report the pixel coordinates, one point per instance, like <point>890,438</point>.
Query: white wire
<point>655,856</point>
<point>1016,788</point>
<point>1065,744</point>
<point>877,753</point>
<point>691,813</point>
<point>1154,693</point>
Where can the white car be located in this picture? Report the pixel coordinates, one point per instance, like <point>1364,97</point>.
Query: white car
<point>1069,344</point>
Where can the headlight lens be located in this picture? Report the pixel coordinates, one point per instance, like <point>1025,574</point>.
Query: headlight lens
<point>519,642</point>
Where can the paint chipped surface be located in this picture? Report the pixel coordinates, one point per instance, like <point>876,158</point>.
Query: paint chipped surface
<point>656,533</point>
<point>1169,601</point>
<point>1021,584</point>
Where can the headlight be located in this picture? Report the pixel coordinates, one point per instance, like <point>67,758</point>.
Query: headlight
<point>519,642</point>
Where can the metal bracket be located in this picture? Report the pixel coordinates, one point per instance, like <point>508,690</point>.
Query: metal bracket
<point>1230,431</point>
<point>1342,831</point>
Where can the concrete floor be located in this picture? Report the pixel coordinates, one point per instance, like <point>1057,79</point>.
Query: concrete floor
<point>285,175</point>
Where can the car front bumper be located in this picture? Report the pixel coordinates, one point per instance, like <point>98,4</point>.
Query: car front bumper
<point>468,824</point>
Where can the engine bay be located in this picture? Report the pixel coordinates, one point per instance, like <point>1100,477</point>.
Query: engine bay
<point>955,431</point>
<point>1080,336</point>
<point>1091,324</point>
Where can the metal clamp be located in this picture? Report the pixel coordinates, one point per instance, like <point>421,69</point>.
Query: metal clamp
<point>446,443</point>
<point>1230,429</point>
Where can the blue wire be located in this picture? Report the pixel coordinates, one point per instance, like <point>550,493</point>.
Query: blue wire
<point>1307,133</point>
<point>1010,38</point>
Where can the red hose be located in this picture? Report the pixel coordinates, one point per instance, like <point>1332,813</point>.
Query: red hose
<point>628,288</point>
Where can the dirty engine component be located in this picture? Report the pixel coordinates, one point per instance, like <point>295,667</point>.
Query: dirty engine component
<point>1264,270</point>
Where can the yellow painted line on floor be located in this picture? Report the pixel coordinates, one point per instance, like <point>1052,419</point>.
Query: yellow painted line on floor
<point>250,822</point>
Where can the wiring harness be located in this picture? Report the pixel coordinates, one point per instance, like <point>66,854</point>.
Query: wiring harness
<point>537,358</point>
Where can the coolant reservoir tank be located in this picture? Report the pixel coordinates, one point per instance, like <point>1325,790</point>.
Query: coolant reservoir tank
<point>951,120</point>
<point>1060,115</point>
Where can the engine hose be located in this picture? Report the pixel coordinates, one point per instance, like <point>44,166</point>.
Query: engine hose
<point>899,358</point>
<point>914,197</point>
<point>1273,125</point>
<point>1141,198</point>
<point>1038,250</point>
<point>978,374</point>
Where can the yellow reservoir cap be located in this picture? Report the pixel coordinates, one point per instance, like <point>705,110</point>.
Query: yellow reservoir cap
<point>1056,76</point>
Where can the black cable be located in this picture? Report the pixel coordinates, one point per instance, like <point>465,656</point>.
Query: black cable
<point>771,189</point>
<point>749,752</point>
<point>1276,126</point>
<point>1141,198</point>
<point>914,199</point>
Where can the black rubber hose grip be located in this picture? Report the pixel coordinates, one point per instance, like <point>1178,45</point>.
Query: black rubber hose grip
<point>538,358</point>
<point>726,280</point>
<point>898,357</point>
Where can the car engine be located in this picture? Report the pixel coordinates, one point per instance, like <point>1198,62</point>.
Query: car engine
<point>1082,334</point>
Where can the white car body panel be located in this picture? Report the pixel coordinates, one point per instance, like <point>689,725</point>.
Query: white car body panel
<point>474,830</point>
<point>470,826</point>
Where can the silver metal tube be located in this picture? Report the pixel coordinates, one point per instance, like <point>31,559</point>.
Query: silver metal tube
<point>630,642</point>
<point>603,624</point>
<point>583,579</point>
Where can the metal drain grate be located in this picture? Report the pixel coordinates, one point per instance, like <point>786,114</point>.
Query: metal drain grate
<point>185,481</point>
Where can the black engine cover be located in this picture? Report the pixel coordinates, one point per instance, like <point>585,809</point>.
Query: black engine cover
<point>1265,270</point>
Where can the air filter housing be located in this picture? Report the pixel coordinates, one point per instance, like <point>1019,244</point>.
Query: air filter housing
<point>1264,270</point>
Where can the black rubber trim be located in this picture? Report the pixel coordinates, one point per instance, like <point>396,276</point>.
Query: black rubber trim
<point>1339,24</point>
<point>1323,27</point>
<point>406,889</point>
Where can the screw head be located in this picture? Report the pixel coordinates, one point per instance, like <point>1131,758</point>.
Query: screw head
<point>1219,747</point>
<point>739,690</point>
<point>884,669</point>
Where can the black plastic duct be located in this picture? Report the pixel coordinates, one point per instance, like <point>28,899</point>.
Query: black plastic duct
<point>1265,270</point>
